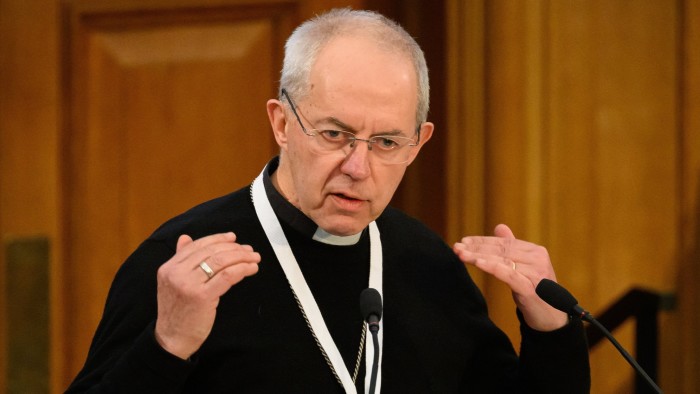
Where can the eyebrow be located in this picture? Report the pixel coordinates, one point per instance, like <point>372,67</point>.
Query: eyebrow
<point>345,127</point>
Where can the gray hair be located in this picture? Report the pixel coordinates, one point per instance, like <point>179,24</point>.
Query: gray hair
<point>305,43</point>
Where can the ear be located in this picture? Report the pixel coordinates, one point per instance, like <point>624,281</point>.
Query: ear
<point>426,131</point>
<point>278,121</point>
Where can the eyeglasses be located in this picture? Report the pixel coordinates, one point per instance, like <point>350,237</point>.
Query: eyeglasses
<point>390,149</point>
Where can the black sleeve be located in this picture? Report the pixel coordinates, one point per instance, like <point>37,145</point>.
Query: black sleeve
<point>555,361</point>
<point>124,356</point>
<point>548,362</point>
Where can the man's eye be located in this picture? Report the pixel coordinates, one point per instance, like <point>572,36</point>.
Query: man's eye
<point>386,143</point>
<point>333,134</point>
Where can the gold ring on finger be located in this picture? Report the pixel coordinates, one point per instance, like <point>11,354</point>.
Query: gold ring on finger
<point>207,269</point>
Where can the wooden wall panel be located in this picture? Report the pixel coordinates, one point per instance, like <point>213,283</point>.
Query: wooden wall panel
<point>589,148</point>
<point>164,109</point>
<point>466,122</point>
<point>615,117</point>
<point>28,135</point>
<point>684,342</point>
<point>513,132</point>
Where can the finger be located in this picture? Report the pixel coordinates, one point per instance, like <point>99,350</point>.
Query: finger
<point>478,240</point>
<point>225,258</point>
<point>493,260</point>
<point>503,231</point>
<point>183,241</point>
<point>502,249</point>
<point>190,248</point>
<point>182,267</point>
<point>505,273</point>
<point>217,256</point>
<point>195,255</point>
<point>231,275</point>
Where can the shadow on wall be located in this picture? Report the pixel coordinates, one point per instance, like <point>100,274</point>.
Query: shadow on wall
<point>689,293</point>
<point>27,301</point>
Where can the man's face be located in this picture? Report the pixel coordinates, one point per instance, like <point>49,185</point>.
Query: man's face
<point>354,86</point>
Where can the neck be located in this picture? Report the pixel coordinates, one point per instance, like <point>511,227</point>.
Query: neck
<point>280,181</point>
<point>277,184</point>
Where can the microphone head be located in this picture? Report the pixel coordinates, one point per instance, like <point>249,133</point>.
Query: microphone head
<point>370,303</point>
<point>557,296</point>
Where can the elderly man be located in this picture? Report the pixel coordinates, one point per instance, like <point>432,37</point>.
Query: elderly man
<point>311,232</point>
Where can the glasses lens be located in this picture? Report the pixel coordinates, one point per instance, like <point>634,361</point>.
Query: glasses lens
<point>334,139</point>
<point>387,149</point>
<point>392,149</point>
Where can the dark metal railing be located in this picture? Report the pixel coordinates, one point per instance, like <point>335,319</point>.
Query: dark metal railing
<point>644,306</point>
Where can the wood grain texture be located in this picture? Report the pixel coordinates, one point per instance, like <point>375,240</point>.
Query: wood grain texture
<point>683,343</point>
<point>590,148</point>
<point>29,123</point>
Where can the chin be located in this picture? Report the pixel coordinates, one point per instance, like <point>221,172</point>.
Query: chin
<point>343,227</point>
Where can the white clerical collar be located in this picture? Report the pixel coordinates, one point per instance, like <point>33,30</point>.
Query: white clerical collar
<point>292,216</point>
<point>322,235</point>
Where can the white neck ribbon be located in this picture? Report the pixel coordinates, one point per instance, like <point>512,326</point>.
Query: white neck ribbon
<point>296,280</point>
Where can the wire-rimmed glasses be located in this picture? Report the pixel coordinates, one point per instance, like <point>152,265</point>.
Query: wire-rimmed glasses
<point>390,149</point>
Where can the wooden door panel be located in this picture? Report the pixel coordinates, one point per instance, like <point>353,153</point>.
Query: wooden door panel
<point>194,121</point>
<point>165,108</point>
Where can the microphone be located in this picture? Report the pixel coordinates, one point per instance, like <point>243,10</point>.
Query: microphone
<point>371,309</point>
<point>558,297</point>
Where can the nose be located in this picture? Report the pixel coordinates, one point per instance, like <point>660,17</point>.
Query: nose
<point>356,163</point>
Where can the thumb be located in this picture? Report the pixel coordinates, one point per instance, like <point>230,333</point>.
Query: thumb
<point>503,231</point>
<point>183,241</point>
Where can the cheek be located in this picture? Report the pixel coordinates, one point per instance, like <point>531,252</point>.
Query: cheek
<point>301,161</point>
<point>310,172</point>
<point>387,182</point>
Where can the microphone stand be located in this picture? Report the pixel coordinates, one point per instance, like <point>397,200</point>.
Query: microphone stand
<point>374,328</point>
<point>558,297</point>
<point>585,316</point>
<point>371,309</point>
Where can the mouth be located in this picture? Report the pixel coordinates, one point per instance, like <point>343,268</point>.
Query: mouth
<point>347,202</point>
<point>345,197</point>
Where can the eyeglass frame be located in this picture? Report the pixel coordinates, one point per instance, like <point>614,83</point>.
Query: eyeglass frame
<point>353,138</point>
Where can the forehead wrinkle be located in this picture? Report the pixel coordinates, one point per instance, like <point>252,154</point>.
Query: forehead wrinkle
<point>345,127</point>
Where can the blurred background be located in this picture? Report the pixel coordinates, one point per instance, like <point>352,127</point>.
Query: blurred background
<point>576,122</point>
